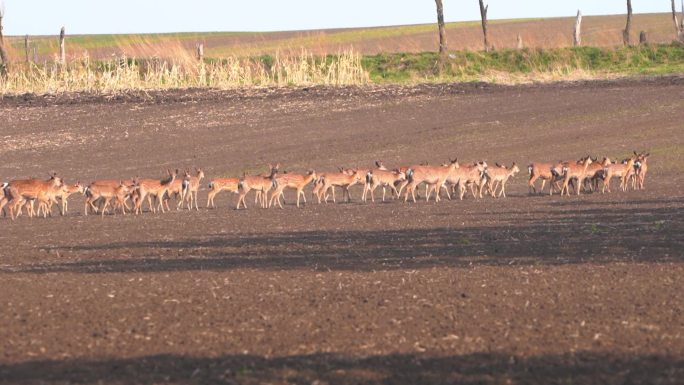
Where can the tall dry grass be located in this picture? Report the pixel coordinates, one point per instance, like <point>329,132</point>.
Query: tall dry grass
<point>173,66</point>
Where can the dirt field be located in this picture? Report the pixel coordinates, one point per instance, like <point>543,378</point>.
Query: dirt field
<point>602,31</point>
<point>527,289</point>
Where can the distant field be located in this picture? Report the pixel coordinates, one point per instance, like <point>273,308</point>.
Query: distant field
<point>602,31</point>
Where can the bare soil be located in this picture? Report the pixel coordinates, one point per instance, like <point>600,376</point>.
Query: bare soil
<point>527,289</point>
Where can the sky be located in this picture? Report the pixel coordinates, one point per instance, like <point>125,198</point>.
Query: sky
<point>45,17</point>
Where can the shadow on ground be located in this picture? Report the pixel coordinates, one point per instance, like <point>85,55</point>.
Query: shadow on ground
<point>565,237</point>
<point>480,368</point>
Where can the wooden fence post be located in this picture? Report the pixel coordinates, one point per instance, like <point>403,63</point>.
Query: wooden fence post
<point>483,14</point>
<point>520,42</point>
<point>628,26</point>
<point>200,52</point>
<point>642,37</point>
<point>678,27</point>
<point>62,49</point>
<point>4,59</point>
<point>442,30</point>
<point>577,34</point>
<point>26,48</point>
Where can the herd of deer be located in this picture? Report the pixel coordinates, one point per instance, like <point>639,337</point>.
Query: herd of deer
<point>451,178</point>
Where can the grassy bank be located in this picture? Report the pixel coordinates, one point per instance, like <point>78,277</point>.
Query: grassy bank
<point>181,70</point>
<point>511,65</point>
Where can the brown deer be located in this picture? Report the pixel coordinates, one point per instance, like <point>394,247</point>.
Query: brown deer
<point>175,189</point>
<point>191,185</point>
<point>594,173</point>
<point>432,176</point>
<point>66,192</point>
<point>499,175</point>
<point>106,192</point>
<point>221,184</point>
<point>345,180</point>
<point>616,170</point>
<point>292,181</point>
<point>575,171</point>
<point>28,190</point>
<point>260,184</point>
<point>4,197</point>
<point>473,175</point>
<point>641,168</point>
<point>47,198</point>
<point>153,188</point>
<point>383,178</point>
<point>133,194</point>
<point>272,170</point>
<point>552,172</point>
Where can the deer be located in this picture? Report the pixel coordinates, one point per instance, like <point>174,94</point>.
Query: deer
<point>176,189</point>
<point>191,185</point>
<point>342,179</point>
<point>28,190</point>
<point>473,175</point>
<point>4,197</point>
<point>500,175</point>
<point>133,194</point>
<point>260,184</point>
<point>62,193</point>
<point>47,198</point>
<point>221,184</point>
<point>432,176</point>
<point>384,179</point>
<point>618,170</point>
<point>318,184</point>
<point>292,181</point>
<point>107,193</point>
<point>149,188</point>
<point>67,191</point>
<point>575,170</point>
<point>594,173</point>
<point>641,168</point>
<point>552,172</point>
<point>271,170</point>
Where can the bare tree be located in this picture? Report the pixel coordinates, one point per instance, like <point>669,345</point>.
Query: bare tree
<point>442,31</point>
<point>4,60</point>
<point>483,15</point>
<point>628,27</point>
<point>577,34</point>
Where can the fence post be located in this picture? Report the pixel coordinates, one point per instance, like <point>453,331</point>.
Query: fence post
<point>577,35</point>
<point>200,52</point>
<point>26,48</point>
<point>62,49</point>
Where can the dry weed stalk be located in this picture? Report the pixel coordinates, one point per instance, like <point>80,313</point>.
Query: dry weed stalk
<point>179,69</point>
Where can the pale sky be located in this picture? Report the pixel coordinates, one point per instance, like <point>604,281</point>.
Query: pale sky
<point>45,17</point>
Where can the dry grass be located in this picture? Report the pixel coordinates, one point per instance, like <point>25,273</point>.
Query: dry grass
<point>177,68</point>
